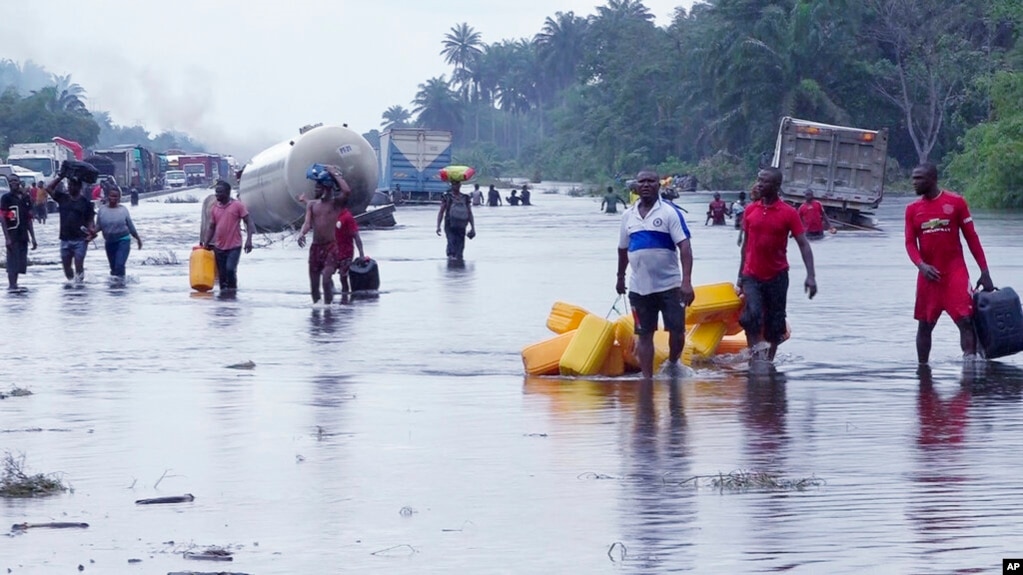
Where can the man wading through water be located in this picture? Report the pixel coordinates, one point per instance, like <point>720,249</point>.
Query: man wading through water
<point>321,215</point>
<point>764,267</point>
<point>654,239</point>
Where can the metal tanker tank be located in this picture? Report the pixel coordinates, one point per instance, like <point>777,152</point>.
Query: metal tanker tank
<point>274,179</point>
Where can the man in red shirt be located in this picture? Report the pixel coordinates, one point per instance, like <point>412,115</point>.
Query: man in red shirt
<point>716,211</point>
<point>346,233</point>
<point>764,267</point>
<point>933,225</point>
<point>813,217</point>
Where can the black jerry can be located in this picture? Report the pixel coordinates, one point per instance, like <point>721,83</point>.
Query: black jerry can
<point>998,320</point>
<point>364,275</point>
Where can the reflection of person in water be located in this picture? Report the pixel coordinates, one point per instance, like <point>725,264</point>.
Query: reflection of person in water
<point>764,417</point>
<point>658,514</point>
<point>942,421</point>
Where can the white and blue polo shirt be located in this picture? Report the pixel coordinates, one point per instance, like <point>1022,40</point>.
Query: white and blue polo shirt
<point>652,243</point>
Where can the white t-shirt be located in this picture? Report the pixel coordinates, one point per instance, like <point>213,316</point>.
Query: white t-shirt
<point>652,243</point>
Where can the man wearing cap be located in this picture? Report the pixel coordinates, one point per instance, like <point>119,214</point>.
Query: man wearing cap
<point>321,216</point>
<point>16,207</point>
<point>77,223</point>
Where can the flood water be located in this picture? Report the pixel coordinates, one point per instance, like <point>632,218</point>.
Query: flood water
<point>399,435</point>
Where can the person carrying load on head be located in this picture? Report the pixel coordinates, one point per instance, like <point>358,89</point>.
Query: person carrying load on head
<point>455,212</point>
<point>321,216</point>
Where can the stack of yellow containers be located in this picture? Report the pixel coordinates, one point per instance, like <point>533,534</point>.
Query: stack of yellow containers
<point>588,345</point>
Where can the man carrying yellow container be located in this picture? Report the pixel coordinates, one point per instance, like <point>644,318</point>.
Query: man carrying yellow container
<point>654,239</point>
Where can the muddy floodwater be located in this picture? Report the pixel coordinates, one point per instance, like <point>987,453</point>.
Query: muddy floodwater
<point>399,435</point>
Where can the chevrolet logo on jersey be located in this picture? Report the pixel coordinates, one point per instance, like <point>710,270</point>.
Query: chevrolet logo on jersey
<point>934,224</point>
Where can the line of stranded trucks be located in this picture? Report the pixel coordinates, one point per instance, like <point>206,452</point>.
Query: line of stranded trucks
<point>845,168</point>
<point>128,165</point>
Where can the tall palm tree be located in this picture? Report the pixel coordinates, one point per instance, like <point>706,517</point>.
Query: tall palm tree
<point>437,105</point>
<point>560,47</point>
<point>395,117</point>
<point>463,48</point>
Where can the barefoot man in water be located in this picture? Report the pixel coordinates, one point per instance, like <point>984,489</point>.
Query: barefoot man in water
<point>321,217</point>
<point>933,225</point>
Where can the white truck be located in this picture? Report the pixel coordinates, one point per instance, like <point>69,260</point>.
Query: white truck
<point>43,157</point>
<point>845,168</point>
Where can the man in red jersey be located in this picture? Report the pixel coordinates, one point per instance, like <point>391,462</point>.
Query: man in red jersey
<point>764,266</point>
<point>813,216</point>
<point>933,224</point>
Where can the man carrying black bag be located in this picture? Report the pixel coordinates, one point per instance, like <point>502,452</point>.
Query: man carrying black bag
<point>77,216</point>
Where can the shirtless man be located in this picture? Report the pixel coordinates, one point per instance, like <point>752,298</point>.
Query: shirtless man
<point>321,216</point>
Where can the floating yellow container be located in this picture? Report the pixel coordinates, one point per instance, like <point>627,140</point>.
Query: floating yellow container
<point>703,339</point>
<point>589,347</point>
<point>614,363</point>
<point>714,302</point>
<point>202,269</point>
<point>565,317</point>
<point>732,344</point>
<point>625,335</point>
<point>542,358</point>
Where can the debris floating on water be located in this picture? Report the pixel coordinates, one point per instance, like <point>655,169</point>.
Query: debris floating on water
<point>186,498</point>
<point>16,483</point>
<point>743,480</point>
<point>243,365</point>
<point>51,525</point>
<point>211,554</point>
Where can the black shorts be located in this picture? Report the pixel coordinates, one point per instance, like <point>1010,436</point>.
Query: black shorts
<point>764,311</point>
<point>17,257</point>
<point>668,303</point>
<point>814,235</point>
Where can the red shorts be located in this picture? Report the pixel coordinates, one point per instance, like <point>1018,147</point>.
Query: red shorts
<point>322,257</point>
<point>951,294</point>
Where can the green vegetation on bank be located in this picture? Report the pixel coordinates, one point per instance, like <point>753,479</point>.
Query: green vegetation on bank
<point>589,98</point>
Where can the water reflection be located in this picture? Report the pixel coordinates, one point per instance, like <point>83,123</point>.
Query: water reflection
<point>764,417</point>
<point>659,513</point>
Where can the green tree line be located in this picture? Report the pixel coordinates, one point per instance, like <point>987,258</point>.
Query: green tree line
<point>591,97</point>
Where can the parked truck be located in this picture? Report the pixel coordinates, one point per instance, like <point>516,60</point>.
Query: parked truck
<point>412,159</point>
<point>134,165</point>
<point>199,168</point>
<point>845,168</point>
<point>44,157</point>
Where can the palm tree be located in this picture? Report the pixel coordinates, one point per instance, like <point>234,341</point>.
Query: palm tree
<point>560,47</point>
<point>619,11</point>
<point>437,106</point>
<point>395,117</point>
<point>64,96</point>
<point>463,48</point>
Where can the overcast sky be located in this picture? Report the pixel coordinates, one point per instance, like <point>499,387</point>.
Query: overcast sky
<point>243,75</point>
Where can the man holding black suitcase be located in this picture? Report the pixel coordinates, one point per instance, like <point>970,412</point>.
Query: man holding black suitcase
<point>933,225</point>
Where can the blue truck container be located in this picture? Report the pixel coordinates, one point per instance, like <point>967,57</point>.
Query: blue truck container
<point>412,158</point>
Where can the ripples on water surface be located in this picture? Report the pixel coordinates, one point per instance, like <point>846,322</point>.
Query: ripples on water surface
<point>416,401</point>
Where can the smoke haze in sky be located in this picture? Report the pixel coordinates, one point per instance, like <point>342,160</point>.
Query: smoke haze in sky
<point>241,76</point>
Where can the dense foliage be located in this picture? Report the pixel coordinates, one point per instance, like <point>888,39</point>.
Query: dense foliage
<point>589,98</point>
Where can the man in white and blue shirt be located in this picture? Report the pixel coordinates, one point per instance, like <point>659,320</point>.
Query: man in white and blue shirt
<point>654,239</point>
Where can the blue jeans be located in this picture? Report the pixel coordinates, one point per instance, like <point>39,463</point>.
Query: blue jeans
<point>227,267</point>
<point>117,255</point>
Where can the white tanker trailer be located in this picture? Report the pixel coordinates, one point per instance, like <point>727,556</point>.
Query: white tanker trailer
<point>274,180</point>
